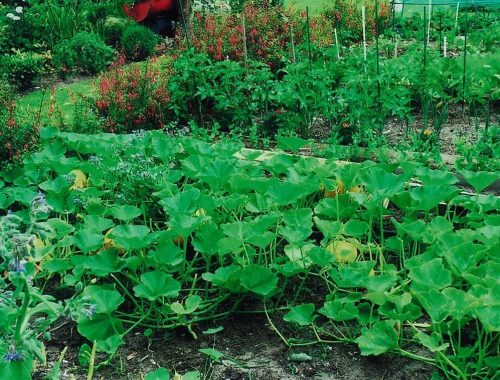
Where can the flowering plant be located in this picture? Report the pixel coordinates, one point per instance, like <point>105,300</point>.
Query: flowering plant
<point>133,97</point>
<point>267,33</point>
<point>20,238</point>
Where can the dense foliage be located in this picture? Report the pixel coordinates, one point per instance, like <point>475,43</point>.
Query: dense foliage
<point>153,225</point>
<point>149,230</point>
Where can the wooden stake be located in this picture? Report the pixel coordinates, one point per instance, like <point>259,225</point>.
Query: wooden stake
<point>337,43</point>
<point>309,37</point>
<point>456,15</point>
<point>292,43</point>
<point>364,30</point>
<point>429,23</point>
<point>244,37</point>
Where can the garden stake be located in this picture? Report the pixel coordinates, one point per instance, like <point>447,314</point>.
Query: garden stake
<point>337,43</point>
<point>244,37</point>
<point>440,32</point>
<point>378,52</point>
<point>292,43</point>
<point>364,30</point>
<point>465,56</point>
<point>184,24</point>
<point>309,37</point>
<point>456,15</point>
<point>429,23</point>
<point>425,39</point>
<point>393,11</point>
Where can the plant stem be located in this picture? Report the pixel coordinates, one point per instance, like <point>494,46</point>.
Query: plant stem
<point>22,313</point>
<point>274,327</point>
<point>90,373</point>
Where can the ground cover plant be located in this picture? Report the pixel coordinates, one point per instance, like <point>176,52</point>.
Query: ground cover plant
<point>171,221</point>
<point>150,231</point>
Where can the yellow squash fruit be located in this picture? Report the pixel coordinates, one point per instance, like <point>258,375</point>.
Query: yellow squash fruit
<point>80,179</point>
<point>333,193</point>
<point>108,242</point>
<point>343,251</point>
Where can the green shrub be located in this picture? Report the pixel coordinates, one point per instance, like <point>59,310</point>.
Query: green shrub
<point>113,29</point>
<point>138,42</point>
<point>22,69</point>
<point>85,53</point>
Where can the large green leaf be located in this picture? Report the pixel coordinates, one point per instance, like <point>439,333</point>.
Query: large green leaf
<point>287,192</point>
<point>298,225</point>
<point>379,339</point>
<point>259,280</point>
<point>225,277</point>
<point>435,303</point>
<point>131,237</point>
<point>104,263</point>
<point>479,180</point>
<point>157,284</point>
<point>218,173</point>
<point>300,314</point>
<point>105,300</point>
<point>125,212</point>
<point>100,327</point>
<point>88,240</point>
<point>339,310</point>
<point>430,275</point>
<point>182,203</point>
<point>488,310</point>
<point>382,184</point>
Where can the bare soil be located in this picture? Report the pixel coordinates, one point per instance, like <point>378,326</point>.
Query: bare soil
<point>252,351</point>
<point>460,125</point>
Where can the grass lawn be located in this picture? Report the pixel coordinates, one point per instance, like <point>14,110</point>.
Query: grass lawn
<point>39,101</point>
<point>314,5</point>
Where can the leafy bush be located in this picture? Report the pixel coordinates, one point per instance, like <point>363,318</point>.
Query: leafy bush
<point>85,53</point>
<point>224,92</point>
<point>134,97</point>
<point>138,42</point>
<point>113,30</point>
<point>22,68</point>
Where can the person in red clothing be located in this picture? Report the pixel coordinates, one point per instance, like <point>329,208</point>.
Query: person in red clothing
<point>158,15</point>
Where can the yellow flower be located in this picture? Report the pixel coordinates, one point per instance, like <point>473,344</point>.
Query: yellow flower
<point>427,131</point>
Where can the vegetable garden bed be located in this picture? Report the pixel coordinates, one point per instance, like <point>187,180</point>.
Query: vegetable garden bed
<point>118,234</point>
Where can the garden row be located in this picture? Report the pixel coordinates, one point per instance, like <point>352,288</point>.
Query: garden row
<point>116,233</point>
<point>342,98</point>
<point>259,90</point>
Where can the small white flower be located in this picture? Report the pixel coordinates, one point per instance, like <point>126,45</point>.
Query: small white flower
<point>19,9</point>
<point>10,15</point>
<point>16,18</point>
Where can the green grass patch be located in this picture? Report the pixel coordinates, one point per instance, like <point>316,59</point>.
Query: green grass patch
<point>37,104</point>
<point>315,6</point>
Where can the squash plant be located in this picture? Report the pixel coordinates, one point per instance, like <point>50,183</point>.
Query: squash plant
<point>200,227</point>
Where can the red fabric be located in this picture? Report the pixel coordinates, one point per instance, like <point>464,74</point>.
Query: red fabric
<point>139,11</point>
<point>161,5</point>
